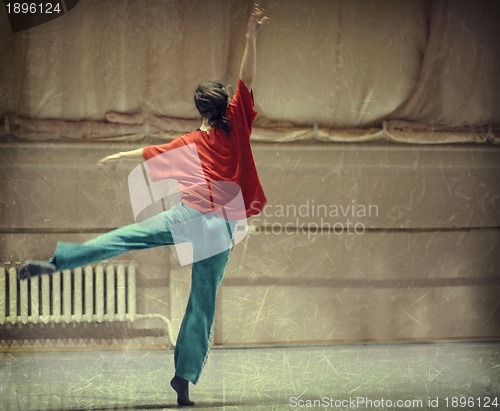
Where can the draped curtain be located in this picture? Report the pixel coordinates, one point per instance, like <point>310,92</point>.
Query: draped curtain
<point>418,71</point>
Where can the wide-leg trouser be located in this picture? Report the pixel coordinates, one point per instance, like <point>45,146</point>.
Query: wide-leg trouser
<point>193,342</point>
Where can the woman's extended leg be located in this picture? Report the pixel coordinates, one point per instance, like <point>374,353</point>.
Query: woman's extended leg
<point>153,232</point>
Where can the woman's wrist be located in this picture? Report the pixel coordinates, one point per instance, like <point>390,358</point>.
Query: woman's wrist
<point>251,33</point>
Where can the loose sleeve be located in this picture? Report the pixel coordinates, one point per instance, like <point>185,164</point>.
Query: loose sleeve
<point>241,109</point>
<point>152,151</point>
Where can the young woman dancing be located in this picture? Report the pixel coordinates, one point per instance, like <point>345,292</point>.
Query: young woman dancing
<point>223,148</point>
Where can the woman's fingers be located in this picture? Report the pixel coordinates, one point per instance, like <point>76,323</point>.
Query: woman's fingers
<point>108,161</point>
<point>258,17</point>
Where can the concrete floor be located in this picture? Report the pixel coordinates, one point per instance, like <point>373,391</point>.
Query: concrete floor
<point>425,376</point>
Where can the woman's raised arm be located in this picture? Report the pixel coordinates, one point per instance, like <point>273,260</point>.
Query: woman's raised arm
<point>248,63</point>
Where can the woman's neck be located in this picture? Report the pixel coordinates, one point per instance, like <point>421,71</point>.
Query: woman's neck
<point>205,126</point>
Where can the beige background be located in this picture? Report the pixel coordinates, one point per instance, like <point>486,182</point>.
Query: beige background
<point>426,266</point>
<point>330,74</point>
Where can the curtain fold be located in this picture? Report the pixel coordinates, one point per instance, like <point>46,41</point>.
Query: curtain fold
<point>418,71</point>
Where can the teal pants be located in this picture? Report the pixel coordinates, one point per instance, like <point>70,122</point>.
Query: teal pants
<point>193,341</point>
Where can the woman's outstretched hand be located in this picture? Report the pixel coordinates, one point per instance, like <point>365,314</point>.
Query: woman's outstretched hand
<point>257,19</point>
<point>110,162</point>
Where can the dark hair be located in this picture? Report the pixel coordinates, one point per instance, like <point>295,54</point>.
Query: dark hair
<point>211,99</point>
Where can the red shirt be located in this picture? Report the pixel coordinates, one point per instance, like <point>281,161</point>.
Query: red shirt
<point>224,157</point>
